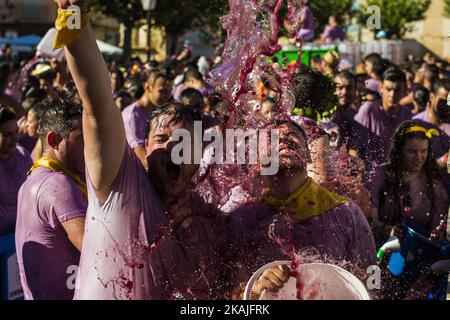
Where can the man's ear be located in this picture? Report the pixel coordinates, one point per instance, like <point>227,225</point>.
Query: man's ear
<point>432,100</point>
<point>53,140</point>
<point>432,96</point>
<point>148,87</point>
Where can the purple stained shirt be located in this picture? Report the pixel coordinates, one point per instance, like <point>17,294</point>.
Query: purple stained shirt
<point>306,32</point>
<point>339,234</point>
<point>422,212</point>
<point>333,34</point>
<point>424,117</point>
<point>27,142</point>
<point>135,119</point>
<point>128,253</point>
<point>344,119</point>
<point>309,18</point>
<point>12,174</point>
<point>47,258</point>
<point>441,143</point>
<point>176,92</point>
<point>374,129</point>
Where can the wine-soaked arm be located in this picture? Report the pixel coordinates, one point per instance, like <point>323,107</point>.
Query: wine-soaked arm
<point>103,129</point>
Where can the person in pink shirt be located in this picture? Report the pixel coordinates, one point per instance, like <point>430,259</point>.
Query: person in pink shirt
<point>135,116</point>
<point>333,32</point>
<point>409,191</point>
<point>142,240</point>
<point>409,187</point>
<point>298,214</point>
<point>52,206</point>
<point>376,121</point>
<point>14,165</point>
<point>306,33</point>
<point>437,111</point>
<point>192,79</point>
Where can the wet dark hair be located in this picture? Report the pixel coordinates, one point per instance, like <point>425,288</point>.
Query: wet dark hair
<point>314,92</point>
<point>280,122</point>
<point>372,57</point>
<point>136,90</point>
<point>29,103</point>
<point>393,179</point>
<point>120,76</point>
<point>431,73</point>
<point>380,66</point>
<point>70,92</point>
<point>346,75</point>
<point>196,98</point>
<point>394,74</point>
<point>58,115</point>
<point>177,112</point>
<point>154,75</point>
<point>439,84</point>
<point>193,73</point>
<point>31,88</point>
<point>421,97</point>
<point>6,115</point>
<point>122,94</point>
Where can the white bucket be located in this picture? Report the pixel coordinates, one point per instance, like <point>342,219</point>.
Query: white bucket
<point>320,282</point>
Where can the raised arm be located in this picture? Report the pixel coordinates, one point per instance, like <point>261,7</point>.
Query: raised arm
<point>103,129</point>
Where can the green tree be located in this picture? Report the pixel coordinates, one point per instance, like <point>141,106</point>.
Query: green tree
<point>397,15</point>
<point>447,8</point>
<point>127,12</point>
<point>177,16</point>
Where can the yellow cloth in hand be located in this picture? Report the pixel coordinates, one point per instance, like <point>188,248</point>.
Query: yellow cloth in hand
<point>56,166</point>
<point>308,201</point>
<point>69,33</point>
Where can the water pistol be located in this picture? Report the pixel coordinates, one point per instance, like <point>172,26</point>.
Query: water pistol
<point>392,245</point>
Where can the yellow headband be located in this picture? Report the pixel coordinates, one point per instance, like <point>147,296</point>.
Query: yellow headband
<point>429,133</point>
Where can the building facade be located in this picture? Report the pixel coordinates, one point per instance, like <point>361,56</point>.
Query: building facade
<point>434,31</point>
<point>24,17</point>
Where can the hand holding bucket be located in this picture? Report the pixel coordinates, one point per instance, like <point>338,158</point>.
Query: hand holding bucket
<point>320,282</point>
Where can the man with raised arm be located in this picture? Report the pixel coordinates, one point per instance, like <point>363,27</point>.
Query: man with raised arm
<point>132,248</point>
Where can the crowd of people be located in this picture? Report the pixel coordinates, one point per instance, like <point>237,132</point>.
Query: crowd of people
<point>87,179</point>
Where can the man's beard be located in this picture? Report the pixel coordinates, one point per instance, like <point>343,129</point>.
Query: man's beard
<point>289,169</point>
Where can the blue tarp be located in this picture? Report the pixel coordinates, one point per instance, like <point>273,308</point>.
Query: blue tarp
<point>30,40</point>
<point>10,287</point>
